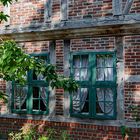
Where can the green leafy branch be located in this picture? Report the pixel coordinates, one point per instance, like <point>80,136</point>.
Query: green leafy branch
<point>15,63</point>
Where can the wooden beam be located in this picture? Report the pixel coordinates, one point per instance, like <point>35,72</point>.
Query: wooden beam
<point>64,12</point>
<point>127,7</point>
<point>48,10</point>
<point>117,7</point>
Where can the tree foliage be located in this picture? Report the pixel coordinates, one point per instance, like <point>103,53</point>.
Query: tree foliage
<point>3,16</point>
<point>15,63</point>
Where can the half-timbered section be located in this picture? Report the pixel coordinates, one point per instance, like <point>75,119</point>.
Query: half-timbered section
<point>97,42</point>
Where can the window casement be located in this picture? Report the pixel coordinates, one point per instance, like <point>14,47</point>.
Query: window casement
<point>33,97</point>
<point>95,73</point>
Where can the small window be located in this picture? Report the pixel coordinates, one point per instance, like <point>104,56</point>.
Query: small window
<point>96,76</point>
<point>31,98</point>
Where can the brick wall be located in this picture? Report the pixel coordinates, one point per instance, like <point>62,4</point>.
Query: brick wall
<point>97,43</point>
<point>56,10</point>
<point>79,9</point>
<point>60,70</point>
<point>77,131</point>
<point>27,12</point>
<point>35,47</point>
<point>132,68</point>
<point>135,6</point>
<point>132,55</point>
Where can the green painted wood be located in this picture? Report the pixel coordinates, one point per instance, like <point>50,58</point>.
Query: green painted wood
<point>92,84</point>
<point>32,83</point>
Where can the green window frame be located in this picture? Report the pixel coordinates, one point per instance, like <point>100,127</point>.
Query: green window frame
<point>36,90</point>
<point>92,88</point>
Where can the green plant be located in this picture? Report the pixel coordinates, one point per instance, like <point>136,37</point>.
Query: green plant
<point>124,131</point>
<point>27,132</point>
<point>64,135</point>
<point>14,64</point>
<point>43,138</point>
<point>50,135</point>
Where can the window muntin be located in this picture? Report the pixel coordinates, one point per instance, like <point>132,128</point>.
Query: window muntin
<point>33,97</point>
<point>100,82</point>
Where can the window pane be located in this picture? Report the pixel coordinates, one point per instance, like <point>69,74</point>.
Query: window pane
<point>100,61</point>
<point>100,108</point>
<point>77,74</point>
<point>104,68</point>
<point>108,74</point>
<point>108,94</point>
<point>109,61</point>
<point>84,74</point>
<point>84,60</point>
<point>20,96</point>
<point>81,101</point>
<point>76,61</point>
<point>109,108</point>
<point>104,101</point>
<point>100,74</point>
<point>40,98</point>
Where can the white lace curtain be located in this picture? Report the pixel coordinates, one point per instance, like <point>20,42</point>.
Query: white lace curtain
<point>43,90</point>
<point>20,95</point>
<point>105,100</point>
<point>105,73</point>
<point>104,69</point>
<point>79,99</point>
<point>80,74</point>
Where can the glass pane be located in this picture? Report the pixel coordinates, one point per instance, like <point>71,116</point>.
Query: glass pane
<point>100,108</point>
<point>84,74</point>
<point>77,74</point>
<point>109,61</point>
<point>36,104</point>
<point>43,105</point>
<point>104,68</point>
<point>85,107</point>
<point>76,61</point>
<point>43,95</point>
<point>81,101</point>
<point>100,74</point>
<point>100,94</point>
<point>108,74</point>
<point>20,96</point>
<point>36,92</point>
<point>84,60</point>
<point>104,101</point>
<point>100,62</point>
<point>108,95</point>
<point>40,98</point>
<point>109,108</point>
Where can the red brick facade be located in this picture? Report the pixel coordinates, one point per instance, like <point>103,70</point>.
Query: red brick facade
<point>26,13</point>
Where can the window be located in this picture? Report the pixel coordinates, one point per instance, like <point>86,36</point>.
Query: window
<point>96,75</point>
<point>31,98</point>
